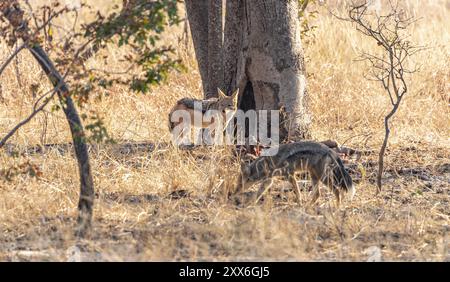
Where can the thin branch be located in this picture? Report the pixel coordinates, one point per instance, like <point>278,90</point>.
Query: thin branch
<point>25,44</point>
<point>26,120</point>
<point>32,13</point>
<point>52,93</point>
<point>112,72</point>
<point>11,57</point>
<point>54,71</point>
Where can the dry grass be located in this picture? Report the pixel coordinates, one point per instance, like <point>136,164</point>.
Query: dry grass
<point>137,218</point>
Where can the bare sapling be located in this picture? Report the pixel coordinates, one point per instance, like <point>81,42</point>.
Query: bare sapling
<point>392,64</point>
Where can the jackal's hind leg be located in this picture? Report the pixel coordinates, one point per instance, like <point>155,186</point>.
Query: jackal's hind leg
<point>265,186</point>
<point>338,196</point>
<point>294,183</point>
<point>315,190</point>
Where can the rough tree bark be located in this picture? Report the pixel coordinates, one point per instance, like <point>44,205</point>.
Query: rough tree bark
<point>234,17</point>
<point>205,21</point>
<point>215,38</point>
<point>197,12</point>
<point>263,57</point>
<point>12,12</point>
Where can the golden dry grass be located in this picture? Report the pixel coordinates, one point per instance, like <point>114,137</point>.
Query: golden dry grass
<point>136,218</point>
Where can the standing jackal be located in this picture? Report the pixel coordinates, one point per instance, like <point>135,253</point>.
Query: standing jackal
<point>322,163</point>
<point>222,104</point>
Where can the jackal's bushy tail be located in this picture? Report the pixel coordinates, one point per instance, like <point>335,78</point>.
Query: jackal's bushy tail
<point>342,178</point>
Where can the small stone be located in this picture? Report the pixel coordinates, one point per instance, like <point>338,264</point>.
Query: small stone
<point>373,254</point>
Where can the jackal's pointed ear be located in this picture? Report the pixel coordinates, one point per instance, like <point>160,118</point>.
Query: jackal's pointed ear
<point>221,94</point>
<point>235,93</point>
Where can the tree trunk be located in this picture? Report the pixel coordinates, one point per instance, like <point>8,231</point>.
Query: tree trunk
<point>232,43</point>
<point>205,21</point>
<point>215,38</point>
<point>263,57</point>
<point>272,65</point>
<point>197,12</point>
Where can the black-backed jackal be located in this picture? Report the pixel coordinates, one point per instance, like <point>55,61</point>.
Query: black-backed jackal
<point>322,163</point>
<point>222,104</point>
